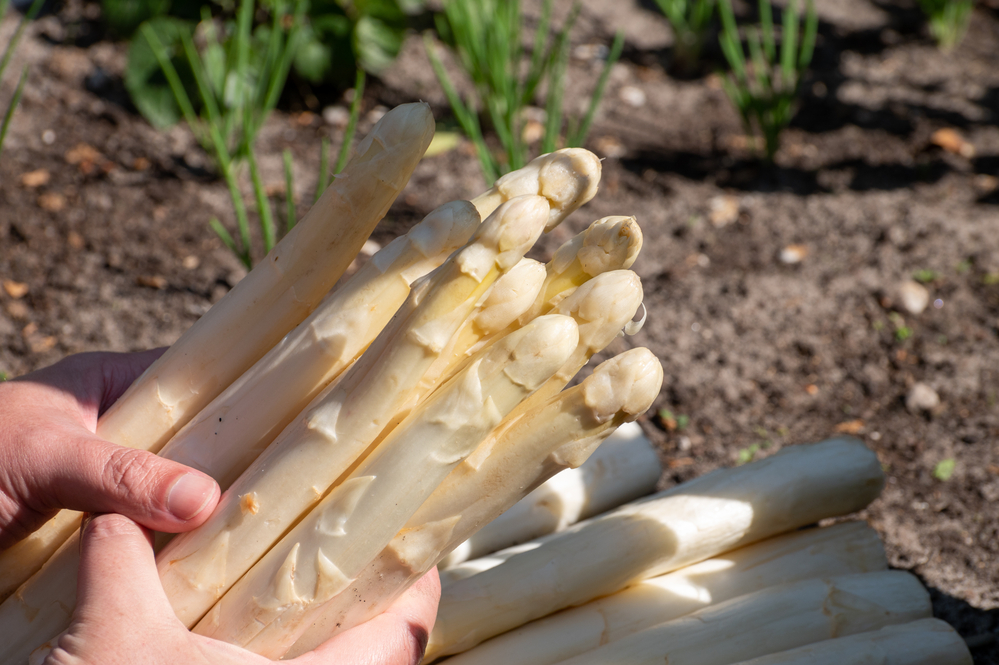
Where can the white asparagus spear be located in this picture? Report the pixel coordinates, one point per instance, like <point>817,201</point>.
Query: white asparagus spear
<point>272,299</point>
<point>625,467</point>
<point>837,550</point>
<point>27,556</point>
<point>232,431</point>
<point>567,178</point>
<point>270,607</point>
<point>923,642</point>
<point>562,433</point>
<point>692,522</point>
<point>293,474</point>
<point>772,620</point>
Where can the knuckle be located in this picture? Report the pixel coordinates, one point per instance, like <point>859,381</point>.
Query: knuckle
<point>111,526</point>
<point>130,474</point>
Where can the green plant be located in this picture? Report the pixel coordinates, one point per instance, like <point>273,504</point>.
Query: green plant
<point>925,276</point>
<point>944,469</point>
<point>690,20</point>
<point>486,36</point>
<point>948,20</point>
<point>673,421</point>
<point>236,92</point>
<point>764,88</point>
<point>7,55</point>
<point>747,454</point>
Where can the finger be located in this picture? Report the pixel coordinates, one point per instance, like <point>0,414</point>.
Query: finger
<point>118,583</point>
<point>94,475</point>
<point>396,637</point>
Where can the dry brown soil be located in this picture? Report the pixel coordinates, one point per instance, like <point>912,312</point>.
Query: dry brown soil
<point>110,238</point>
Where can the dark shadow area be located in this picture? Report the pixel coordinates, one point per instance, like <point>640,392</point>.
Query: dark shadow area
<point>979,628</point>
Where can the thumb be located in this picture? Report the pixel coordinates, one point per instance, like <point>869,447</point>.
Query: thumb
<point>94,475</point>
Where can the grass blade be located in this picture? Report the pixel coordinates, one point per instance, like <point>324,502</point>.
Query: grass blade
<point>8,53</point>
<point>355,112</point>
<point>577,137</point>
<point>15,100</point>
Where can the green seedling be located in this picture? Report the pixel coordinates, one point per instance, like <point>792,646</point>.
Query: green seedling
<point>944,469</point>
<point>486,36</point>
<point>747,454</point>
<point>963,266</point>
<point>673,421</point>
<point>5,60</point>
<point>925,276</point>
<point>948,20</point>
<point>690,20</point>
<point>764,88</point>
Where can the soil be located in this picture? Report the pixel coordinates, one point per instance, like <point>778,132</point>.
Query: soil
<point>775,292</point>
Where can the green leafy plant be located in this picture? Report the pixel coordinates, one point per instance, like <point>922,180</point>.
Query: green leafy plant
<point>673,421</point>
<point>235,92</point>
<point>765,87</point>
<point>5,60</point>
<point>925,276</point>
<point>944,469</point>
<point>486,36</point>
<point>690,20</point>
<point>747,454</point>
<point>948,20</point>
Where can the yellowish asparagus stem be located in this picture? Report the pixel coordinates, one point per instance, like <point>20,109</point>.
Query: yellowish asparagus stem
<point>558,435</point>
<point>270,607</point>
<point>232,431</point>
<point>689,523</point>
<point>772,620</point>
<point>837,550</point>
<point>567,178</point>
<point>26,557</point>
<point>923,642</point>
<point>625,467</point>
<point>274,297</point>
<point>295,471</point>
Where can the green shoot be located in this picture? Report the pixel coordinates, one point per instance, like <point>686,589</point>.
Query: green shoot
<point>355,112</point>
<point>486,35</point>
<point>944,469</point>
<point>764,88</point>
<point>289,191</point>
<point>7,55</point>
<point>948,20</point>
<point>925,276</point>
<point>690,20</point>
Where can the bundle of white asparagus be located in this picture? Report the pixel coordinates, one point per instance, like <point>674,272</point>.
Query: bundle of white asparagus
<point>364,436</point>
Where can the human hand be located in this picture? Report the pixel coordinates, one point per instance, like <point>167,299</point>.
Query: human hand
<point>133,622</point>
<point>50,457</point>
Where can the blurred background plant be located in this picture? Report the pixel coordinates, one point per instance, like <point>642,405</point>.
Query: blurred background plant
<point>8,53</point>
<point>485,36</point>
<point>764,88</point>
<point>948,20</point>
<point>691,21</point>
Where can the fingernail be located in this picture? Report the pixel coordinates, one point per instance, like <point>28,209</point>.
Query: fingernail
<point>189,495</point>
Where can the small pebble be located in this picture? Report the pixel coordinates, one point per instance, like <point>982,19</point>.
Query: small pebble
<point>724,210</point>
<point>337,116</point>
<point>914,296</point>
<point>921,398</point>
<point>793,254</point>
<point>632,96</point>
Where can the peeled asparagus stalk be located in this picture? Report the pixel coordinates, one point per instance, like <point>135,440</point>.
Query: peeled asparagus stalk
<point>923,642</point>
<point>232,431</point>
<point>293,474</point>
<point>272,605</point>
<point>624,468</point>
<point>686,524</point>
<point>567,178</point>
<point>272,299</point>
<point>772,620</point>
<point>24,559</point>
<point>562,433</point>
<point>837,550</point>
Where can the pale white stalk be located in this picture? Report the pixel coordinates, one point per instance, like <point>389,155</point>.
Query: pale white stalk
<point>560,434</point>
<point>272,299</point>
<point>270,607</point>
<point>697,520</point>
<point>923,642</point>
<point>837,550</point>
<point>625,467</point>
<point>293,474</point>
<point>567,178</point>
<point>772,620</point>
<point>232,431</point>
<point>26,557</point>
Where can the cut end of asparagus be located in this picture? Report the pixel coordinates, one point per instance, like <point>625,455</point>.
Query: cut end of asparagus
<point>627,383</point>
<point>511,296</point>
<point>566,178</point>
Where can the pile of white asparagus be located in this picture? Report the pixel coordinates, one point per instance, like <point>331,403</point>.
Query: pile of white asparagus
<point>364,428</point>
